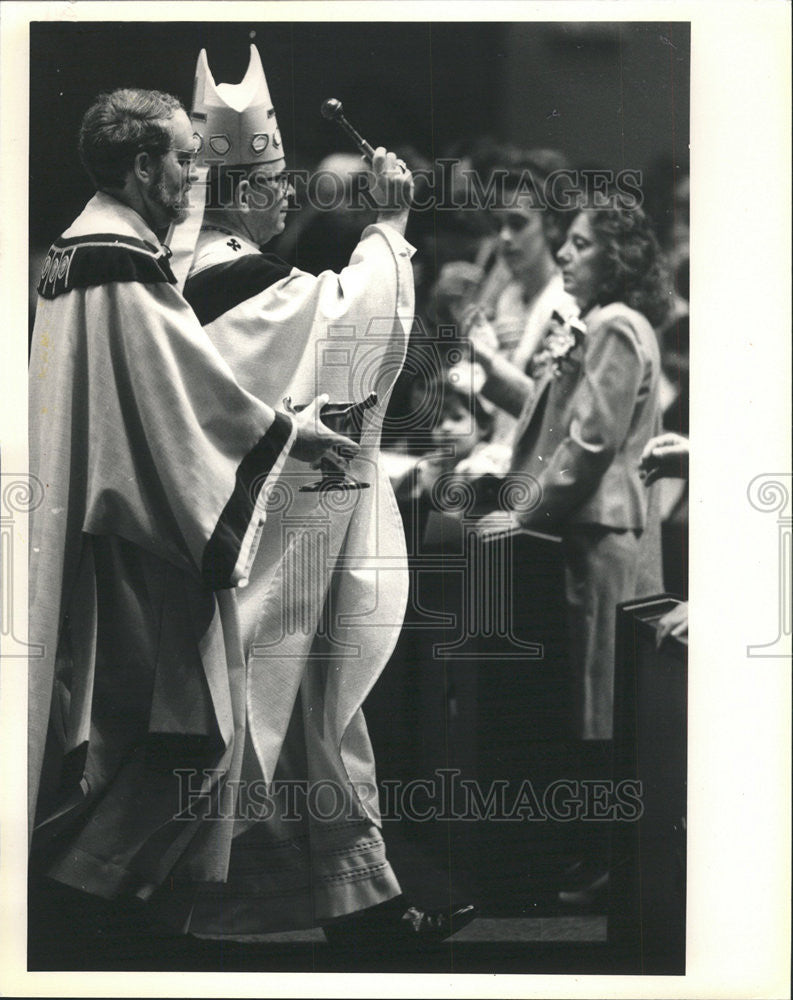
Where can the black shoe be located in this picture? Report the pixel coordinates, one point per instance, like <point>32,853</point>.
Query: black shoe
<point>581,873</point>
<point>434,926</point>
<point>592,893</point>
<point>413,928</point>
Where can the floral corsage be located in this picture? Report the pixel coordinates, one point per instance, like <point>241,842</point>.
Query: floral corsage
<point>558,345</point>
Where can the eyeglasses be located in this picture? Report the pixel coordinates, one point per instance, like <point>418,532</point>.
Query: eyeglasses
<point>281,181</point>
<point>185,157</point>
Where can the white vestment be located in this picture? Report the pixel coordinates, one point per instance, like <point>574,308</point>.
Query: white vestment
<point>156,466</point>
<point>328,589</point>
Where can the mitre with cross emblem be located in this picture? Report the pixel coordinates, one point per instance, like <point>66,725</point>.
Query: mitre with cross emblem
<point>234,123</point>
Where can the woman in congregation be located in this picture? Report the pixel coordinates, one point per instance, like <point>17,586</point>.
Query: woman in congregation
<point>581,435</point>
<point>578,446</point>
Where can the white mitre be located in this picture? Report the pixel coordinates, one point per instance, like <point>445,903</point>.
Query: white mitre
<point>234,123</point>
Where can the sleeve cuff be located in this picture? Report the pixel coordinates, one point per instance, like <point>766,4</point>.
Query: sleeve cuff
<point>395,240</point>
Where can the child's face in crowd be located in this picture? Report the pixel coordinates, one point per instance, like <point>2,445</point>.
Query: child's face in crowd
<point>457,430</point>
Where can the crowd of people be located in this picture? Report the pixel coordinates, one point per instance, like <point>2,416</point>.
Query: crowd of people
<point>572,324</point>
<point>212,621</point>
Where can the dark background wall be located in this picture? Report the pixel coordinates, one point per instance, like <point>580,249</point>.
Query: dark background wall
<point>611,95</point>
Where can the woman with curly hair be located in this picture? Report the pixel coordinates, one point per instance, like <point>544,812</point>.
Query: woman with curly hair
<point>581,437</point>
<point>630,268</point>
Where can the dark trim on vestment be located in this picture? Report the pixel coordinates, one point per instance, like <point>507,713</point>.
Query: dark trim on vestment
<point>99,259</point>
<point>215,290</point>
<point>223,548</point>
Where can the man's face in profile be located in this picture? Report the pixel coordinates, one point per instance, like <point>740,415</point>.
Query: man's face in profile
<point>170,187</point>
